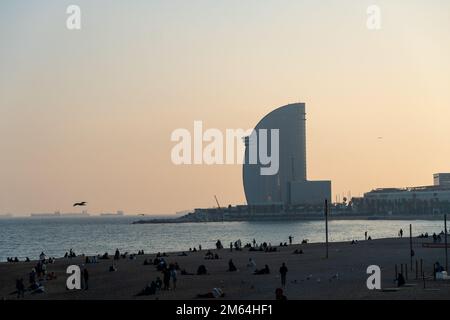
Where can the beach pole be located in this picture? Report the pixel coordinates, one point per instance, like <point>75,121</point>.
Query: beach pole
<point>434,271</point>
<point>417,269</point>
<point>411,246</point>
<point>446,250</point>
<point>421,265</point>
<point>326,226</point>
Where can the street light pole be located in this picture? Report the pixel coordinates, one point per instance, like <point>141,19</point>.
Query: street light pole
<point>326,226</point>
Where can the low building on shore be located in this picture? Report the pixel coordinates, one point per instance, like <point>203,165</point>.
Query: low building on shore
<point>425,200</point>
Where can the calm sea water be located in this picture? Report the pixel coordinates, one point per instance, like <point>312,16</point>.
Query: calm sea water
<point>27,237</point>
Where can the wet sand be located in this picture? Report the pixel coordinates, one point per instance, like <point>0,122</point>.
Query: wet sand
<point>310,276</point>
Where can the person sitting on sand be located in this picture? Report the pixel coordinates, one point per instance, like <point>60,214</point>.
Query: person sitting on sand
<point>219,245</point>
<point>201,270</point>
<point>158,283</point>
<point>304,241</point>
<point>37,287</point>
<point>32,276</point>
<point>231,266</point>
<point>251,264</point>
<point>209,255</point>
<point>214,294</point>
<point>216,257</point>
<point>262,271</point>
<point>185,273</point>
<point>148,290</point>
<point>438,267</point>
<point>279,294</point>
<point>27,259</point>
<point>162,265</point>
<point>297,251</point>
<point>117,254</point>
<point>112,268</point>
<point>51,276</point>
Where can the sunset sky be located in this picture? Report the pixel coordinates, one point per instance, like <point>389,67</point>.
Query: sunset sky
<point>86,115</point>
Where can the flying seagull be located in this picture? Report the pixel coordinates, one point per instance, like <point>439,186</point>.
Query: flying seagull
<point>81,204</point>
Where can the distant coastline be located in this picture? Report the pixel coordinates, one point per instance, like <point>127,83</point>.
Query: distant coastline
<point>192,218</point>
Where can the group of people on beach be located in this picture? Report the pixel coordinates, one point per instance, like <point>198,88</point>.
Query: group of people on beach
<point>15,259</point>
<point>169,272</point>
<point>37,277</point>
<point>168,280</point>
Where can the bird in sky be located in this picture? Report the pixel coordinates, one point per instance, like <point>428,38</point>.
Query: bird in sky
<point>81,204</point>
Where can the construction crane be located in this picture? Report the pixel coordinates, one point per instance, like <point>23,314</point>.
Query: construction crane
<point>220,209</point>
<point>217,201</point>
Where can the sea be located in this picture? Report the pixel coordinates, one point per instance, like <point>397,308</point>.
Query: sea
<point>27,237</point>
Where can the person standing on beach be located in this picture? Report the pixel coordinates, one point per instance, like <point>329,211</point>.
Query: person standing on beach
<point>365,235</point>
<point>290,240</point>
<point>400,233</point>
<point>166,278</point>
<point>86,278</point>
<point>283,272</point>
<point>20,288</point>
<point>173,275</point>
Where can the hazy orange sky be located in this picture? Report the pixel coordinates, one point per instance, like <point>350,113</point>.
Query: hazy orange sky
<point>86,115</point>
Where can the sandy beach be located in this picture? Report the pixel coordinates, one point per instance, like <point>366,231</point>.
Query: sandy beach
<point>310,276</point>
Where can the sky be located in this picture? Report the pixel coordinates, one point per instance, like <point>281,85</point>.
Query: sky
<point>87,115</point>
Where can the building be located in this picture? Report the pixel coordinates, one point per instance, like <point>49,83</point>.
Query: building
<point>441,179</point>
<point>424,200</point>
<point>427,193</point>
<point>290,185</point>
